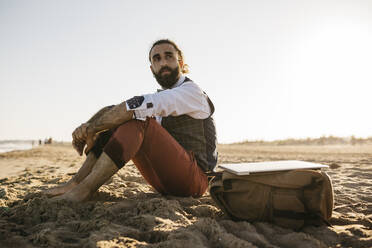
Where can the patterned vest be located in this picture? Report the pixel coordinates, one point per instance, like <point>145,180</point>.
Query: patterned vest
<point>196,135</point>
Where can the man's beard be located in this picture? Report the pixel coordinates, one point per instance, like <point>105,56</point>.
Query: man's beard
<point>168,80</point>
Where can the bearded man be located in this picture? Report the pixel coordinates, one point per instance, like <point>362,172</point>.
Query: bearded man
<point>170,135</point>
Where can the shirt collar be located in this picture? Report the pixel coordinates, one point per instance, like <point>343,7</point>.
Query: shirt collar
<point>179,82</point>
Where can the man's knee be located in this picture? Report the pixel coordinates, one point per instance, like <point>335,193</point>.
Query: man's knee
<point>125,142</point>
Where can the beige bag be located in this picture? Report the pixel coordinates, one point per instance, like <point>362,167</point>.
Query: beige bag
<point>289,199</point>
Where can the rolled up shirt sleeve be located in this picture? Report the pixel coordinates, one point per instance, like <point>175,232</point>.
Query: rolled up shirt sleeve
<point>187,98</point>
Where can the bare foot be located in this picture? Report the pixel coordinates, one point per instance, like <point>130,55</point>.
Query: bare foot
<point>60,190</point>
<point>77,194</point>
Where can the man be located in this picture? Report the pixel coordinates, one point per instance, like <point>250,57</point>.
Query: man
<point>172,156</point>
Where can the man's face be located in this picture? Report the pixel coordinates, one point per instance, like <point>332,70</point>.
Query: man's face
<point>165,64</point>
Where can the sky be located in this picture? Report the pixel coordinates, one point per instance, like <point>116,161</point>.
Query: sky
<point>274,69</point>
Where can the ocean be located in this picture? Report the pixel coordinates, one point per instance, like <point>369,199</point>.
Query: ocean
<point>12,145</point>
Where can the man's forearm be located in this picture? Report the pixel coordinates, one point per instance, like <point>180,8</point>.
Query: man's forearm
<point>100,113</point>
<point>109,118</point>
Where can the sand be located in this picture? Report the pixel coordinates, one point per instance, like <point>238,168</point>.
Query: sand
<point>128,213</point>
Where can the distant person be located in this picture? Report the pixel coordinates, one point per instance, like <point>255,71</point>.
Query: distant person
<point>48,141</point>
<point>169,135</point>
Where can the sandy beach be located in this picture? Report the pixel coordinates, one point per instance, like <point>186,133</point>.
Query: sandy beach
<point>128,213</point>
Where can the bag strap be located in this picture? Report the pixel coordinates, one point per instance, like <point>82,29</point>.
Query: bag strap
<point>211,174</point>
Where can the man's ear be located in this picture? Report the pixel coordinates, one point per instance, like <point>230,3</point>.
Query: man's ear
<point>151,69</point>
<point>180,62</point>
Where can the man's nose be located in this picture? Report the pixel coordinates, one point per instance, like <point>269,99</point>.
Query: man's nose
<point>163,62</point>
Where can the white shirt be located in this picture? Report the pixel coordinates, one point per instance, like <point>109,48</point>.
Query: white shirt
<point>183,98</point>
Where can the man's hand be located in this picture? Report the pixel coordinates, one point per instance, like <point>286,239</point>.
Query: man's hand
<point>78,146</point>
<point>91,139</point>
<point>79,138</point>
<point>80,133</point>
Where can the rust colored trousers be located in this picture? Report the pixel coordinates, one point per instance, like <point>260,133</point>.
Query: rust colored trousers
<point>162,161</point>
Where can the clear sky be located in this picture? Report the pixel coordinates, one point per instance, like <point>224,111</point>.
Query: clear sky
<point>274,69</point>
